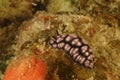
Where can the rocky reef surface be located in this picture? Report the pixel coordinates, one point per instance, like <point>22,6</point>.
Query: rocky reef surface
<point>97,21</point>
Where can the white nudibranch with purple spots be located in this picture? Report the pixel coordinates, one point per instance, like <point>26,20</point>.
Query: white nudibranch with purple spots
<point>76,47</point>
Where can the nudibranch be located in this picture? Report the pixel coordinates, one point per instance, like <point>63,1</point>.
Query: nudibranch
<point>76,47</point>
